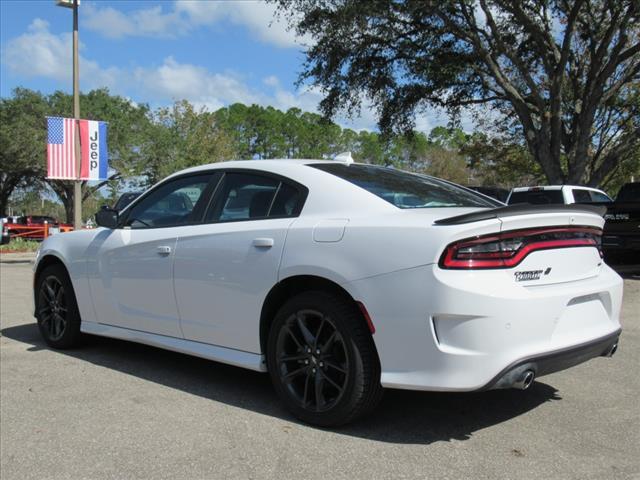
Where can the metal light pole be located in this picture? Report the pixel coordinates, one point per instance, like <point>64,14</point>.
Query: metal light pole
<point>77,187</point>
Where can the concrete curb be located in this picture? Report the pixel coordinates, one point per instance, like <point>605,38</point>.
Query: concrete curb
<point>22,257</point>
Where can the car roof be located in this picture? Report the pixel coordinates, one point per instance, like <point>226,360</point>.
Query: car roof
<point>296,169</point>
<point>552,187</point>
<point>254,164</point>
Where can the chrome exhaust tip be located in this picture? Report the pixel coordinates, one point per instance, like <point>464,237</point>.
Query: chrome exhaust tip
<point>612,350</point>
<point>525,380</point>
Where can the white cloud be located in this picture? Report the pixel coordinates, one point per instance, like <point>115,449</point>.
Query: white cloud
<point>39,53</point>
<point>176,81</point>
<point>186,15</point>
<point>256,15</point>
<point>148,22</point>
<point>271,81</point>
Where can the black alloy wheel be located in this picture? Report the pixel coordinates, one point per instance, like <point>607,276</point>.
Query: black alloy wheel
<point>322,360</point>
<point>52,308</point>
<point>312,360</point>
<point>56,308</point>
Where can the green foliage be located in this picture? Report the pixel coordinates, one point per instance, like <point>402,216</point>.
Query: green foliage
<point>30,201</point>
<point>499,162</point>
<point>265,132</point>
<point>22,140</point>
<point>145,146</point>
<point>563,73</point>
<point>20,245</point>
<point>179,137</point>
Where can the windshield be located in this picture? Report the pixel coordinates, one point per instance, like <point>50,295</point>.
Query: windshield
<point>404,189</point>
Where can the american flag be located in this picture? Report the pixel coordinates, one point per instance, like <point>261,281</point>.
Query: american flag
<point>61,154</point>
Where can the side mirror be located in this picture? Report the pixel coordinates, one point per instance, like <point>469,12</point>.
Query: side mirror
<point>107,217</point>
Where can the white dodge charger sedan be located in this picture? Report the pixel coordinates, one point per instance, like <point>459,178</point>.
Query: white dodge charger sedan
<point>338,279</point>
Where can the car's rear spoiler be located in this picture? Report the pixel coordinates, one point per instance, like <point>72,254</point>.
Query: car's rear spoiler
<point>520,209</point>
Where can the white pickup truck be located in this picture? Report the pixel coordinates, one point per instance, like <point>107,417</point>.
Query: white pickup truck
<point>563,194</point>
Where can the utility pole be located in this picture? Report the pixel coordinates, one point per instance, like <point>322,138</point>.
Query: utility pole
<point>77,184</point>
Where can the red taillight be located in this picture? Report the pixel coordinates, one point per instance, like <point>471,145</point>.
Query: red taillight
<point>508,249</point>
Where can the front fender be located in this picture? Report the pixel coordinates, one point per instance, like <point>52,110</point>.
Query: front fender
<point>71,250</point>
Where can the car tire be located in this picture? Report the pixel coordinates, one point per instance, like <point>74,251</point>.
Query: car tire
<point>56,308</point>
<point>322,359</point>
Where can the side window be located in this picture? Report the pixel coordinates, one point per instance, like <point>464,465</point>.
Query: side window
<point>286,201</point>
<point>599,197</point>
<point>170,205</point>
<point>246,196</point>
<point>581,196</point>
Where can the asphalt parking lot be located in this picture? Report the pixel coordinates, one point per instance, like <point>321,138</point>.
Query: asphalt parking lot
<point>117,410</point>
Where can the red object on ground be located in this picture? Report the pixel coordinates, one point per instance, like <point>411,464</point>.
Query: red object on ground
<point>35,227</point>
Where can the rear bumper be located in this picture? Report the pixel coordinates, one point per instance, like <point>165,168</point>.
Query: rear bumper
<point>555,361</point>
<point>442,330</point>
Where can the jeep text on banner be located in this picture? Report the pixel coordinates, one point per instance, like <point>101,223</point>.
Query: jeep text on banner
<point>93,144</point>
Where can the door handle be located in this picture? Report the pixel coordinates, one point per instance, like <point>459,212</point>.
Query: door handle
<point>164,250</point>
<point>263,242</point>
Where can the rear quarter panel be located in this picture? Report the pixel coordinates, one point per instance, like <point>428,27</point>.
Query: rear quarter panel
<point>373,245</point>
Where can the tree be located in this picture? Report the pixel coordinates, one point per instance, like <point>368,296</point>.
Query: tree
<point>179,137</point>
<point>22,142</point>
<point>500,162</point>
<point>265,132</point>
<point>564,69</point>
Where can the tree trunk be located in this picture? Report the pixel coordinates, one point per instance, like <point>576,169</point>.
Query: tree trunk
<point>64,190</point>
<point>7,186</point>
<point>68,209</point>
<point>540,148</point>
<point>4,202</point>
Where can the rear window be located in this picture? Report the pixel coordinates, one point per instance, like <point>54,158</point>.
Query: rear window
<point>537,197</point>
<point>406,190</point>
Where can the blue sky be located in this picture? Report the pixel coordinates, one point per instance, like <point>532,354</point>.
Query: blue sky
<point>212,53</point>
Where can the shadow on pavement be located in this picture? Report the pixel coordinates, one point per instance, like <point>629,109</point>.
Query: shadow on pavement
<point>402,417</point>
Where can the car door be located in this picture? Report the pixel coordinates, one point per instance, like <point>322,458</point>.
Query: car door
<point>131,267</point>
<point>225,268</point>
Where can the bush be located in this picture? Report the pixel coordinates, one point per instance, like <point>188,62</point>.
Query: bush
<point>20,245</point>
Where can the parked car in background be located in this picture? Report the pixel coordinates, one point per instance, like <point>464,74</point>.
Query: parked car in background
<point>338,279</point>
<point>621,235</point>
<point>557,194</point>
<point>125,199</point>
<point>40,220</point>
<point>629,192</point>
<point>32,227</point>
<point>11,219</point>
<point>498,193</point>
<point>621,231</point>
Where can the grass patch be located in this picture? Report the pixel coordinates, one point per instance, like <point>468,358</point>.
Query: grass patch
<point>20,245</point>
